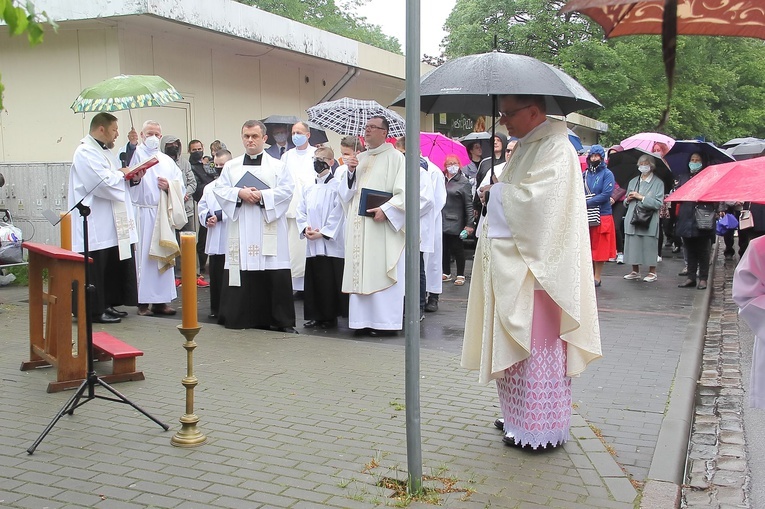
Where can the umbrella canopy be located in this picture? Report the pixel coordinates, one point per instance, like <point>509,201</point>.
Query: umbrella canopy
<point>747,150</point>
<point>124,93</point>
<point>469,84</point>
<point>436,146</point>
<point>317,133</point>
<point>624,167</point>
<point>483,137</point>
<point>678,155</point>
<point>739,141</point>
<point>646,141</point>
<point>575,141</point>
<point>737,181</point>
<point>348,116</point>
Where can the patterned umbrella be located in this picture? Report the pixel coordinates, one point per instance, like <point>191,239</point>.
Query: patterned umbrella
<point>348,116</point>
<point>125,93</point>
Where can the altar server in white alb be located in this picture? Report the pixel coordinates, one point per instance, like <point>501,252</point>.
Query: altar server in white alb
<point>321,220</point>
<point>257,289</point>
<point>159,200</point>
<point>374,246</point>
<point>216,241</point>
<point>749,295</point>
<point>433,259</point>
<point>96,176</point>
<point>299,162</point>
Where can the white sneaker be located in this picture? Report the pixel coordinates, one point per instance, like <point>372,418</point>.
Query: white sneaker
<point>650,278</point>
<point>658,259</point>
<point>620,258</point>
<point>632,276</point>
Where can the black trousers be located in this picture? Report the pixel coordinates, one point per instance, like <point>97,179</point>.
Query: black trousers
<point>745,236</point>
<point>217,263</point>
<point>263,300</point>
<point>698,249</point>
<point>453,245</point>
<point>323,298</point>
<point>618,210</point>
<point>201,255</point>
<point>114,280</point>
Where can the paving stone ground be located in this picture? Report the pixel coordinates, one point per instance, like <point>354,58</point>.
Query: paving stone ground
<point>299,421</point>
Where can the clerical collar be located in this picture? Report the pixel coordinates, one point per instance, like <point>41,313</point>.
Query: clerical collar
<point>330,176</point>
<point>101,143</point>
<point>253,160</point>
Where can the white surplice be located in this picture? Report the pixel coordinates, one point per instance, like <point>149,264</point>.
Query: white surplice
<point>262,230</point>
<point>95,170</point>
<point>749,295</point>
<point>300,165</point>
<point>320,208</point>
<point>433,260</point>
<point>217,235</point>
<point>153,287</point>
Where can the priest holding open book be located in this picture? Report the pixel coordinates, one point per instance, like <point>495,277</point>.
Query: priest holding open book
<point>254,191</point>
<point>373,192</point>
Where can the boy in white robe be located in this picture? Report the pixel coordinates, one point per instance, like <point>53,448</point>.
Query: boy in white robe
<point>321,220</point>
<point>257,291</point>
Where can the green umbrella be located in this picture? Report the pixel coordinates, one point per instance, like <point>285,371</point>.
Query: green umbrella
<point>125,93</point>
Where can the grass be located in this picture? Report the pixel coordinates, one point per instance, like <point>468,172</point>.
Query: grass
<point>22,274</point>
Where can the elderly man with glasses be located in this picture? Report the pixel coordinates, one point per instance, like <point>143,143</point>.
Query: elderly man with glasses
<point>373,191</point>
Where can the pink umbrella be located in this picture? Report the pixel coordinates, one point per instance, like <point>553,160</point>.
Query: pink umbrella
<point>646,141</point>
<point>436,146</point>
<point>736,181</point>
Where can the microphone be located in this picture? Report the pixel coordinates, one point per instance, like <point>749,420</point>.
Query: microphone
<point>123,159</point>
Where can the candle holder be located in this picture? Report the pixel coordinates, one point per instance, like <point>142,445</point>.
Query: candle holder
<point>189,434</point>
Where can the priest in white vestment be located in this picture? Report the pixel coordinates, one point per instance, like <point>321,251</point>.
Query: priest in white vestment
<point>374,246</point>
<point>321,220</point>
<point>532,319</point>
<point>156,284</point>
<point>749,295</point>
<point>216,240</point>
<point>97,179</point>
<point>299,162</point>
<point>254,191</point>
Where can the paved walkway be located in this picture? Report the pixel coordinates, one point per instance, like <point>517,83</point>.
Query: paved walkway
<point>317,421</point>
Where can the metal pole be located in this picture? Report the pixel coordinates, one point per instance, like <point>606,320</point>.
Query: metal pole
<point>412,300</point>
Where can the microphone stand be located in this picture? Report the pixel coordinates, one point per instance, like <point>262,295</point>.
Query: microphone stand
<point>80,397</point>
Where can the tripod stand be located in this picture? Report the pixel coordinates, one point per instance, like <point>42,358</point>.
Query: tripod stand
<point>87,390</point>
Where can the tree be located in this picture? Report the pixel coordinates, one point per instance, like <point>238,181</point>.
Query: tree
<point>22,19</point>
<point>327,15</point>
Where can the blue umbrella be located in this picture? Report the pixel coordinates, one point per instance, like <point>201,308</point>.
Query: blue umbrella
<point>677,157</point>
<point>574,139</point>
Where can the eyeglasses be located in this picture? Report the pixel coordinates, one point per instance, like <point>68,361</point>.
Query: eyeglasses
<point>368,127</point>
<point>512,113</point>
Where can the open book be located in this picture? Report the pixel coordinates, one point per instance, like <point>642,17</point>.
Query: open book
<point>141,166</point>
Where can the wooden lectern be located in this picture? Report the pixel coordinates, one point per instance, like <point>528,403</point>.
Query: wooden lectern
<point>50,340</point>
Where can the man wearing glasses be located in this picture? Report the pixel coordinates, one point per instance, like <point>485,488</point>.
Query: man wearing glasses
<point>374,245</point>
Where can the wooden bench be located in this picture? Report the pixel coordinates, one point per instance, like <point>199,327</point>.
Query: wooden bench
<point>106,346</point>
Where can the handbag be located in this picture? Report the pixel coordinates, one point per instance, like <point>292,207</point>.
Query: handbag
<point>704,217</point>
<point>593,213</point>
<point>641,216</point>
<point>746,220</point>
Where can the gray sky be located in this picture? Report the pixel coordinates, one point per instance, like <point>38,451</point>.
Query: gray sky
<point>391,16</point>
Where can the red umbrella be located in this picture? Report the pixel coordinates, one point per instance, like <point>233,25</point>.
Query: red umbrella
<point>736,181</point>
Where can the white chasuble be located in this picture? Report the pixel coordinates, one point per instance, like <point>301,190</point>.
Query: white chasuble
<point>257,233</point>
<point>549,246</point>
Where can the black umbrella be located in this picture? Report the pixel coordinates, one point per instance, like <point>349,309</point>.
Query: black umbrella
<point>317,133</point>
<point>484,138</point>
<point>678,155</point>
<point>747,150</point>
<point>739,141</point>
<point>470,84</point>
<point>624,167</point>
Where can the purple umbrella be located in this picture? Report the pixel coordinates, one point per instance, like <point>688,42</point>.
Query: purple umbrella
<point>436,146</point>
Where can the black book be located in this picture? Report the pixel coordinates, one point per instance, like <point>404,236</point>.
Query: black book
<point>250,180</point>
<point>371,199</point>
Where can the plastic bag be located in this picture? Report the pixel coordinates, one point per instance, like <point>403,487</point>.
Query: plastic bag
<point>726,223</point>
<point>10,244</point>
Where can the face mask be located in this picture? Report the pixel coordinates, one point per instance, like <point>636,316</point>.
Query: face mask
<point>196,156</point>
<point>594,164</point>
<point>319,165</point>
<point>299,139</point>
<point>452,169</point>
<point>694,167</point>
<point>152,143</point>
<point>644,168</point>
<point>280,138</point>
<point>172,151</point>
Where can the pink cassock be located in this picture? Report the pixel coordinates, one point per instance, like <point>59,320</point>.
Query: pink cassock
<point>749,295</point>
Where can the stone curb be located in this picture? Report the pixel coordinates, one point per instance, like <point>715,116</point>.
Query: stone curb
<point>665,477</point>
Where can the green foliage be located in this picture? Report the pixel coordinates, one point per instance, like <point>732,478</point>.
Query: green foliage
<point>718,92</point>
<point>327,15</point>
<point>22,19</point>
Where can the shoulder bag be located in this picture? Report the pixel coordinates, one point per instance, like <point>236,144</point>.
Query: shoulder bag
<point>704,216</point>
<point>641,216</point>
<point>593,213</point>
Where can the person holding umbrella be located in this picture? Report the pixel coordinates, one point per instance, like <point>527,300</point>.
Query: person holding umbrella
<point>645,192</point>
<point>599,185</point>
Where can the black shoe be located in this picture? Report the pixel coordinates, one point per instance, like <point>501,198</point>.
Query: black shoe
<point>107,318</point>
<point>310,324</point>
<point>288,330</point>
<point>508,439</point>
<point>689,283</point>
<point>116,313</point>
<point>376,333</point>
<point>499,424</point>
<point>362,332</point>
<point>329,324</point>
<point>431,306</point>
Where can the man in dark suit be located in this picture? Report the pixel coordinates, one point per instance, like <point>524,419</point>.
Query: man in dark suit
<point>282,142</point>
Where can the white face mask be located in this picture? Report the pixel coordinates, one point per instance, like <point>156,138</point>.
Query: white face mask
<point>644,168</point>
<point>452,169</point>
<point>152,143</point>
